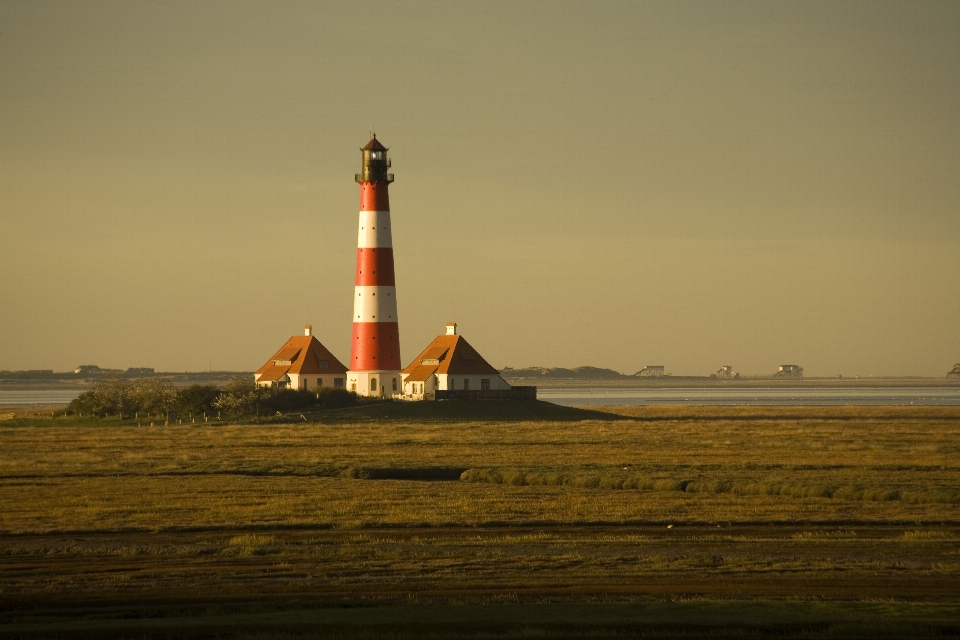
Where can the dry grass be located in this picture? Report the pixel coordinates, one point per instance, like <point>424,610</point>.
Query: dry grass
<point>762,503</point>
<point>720,464</point>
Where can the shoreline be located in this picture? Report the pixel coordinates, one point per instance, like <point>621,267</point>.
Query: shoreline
<point>675,382</point>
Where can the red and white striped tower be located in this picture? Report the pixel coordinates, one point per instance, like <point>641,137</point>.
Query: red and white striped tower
<point>375,351</point>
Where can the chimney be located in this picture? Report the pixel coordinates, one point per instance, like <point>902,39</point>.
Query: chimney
<point>451,328</point>
<point>308,330</point>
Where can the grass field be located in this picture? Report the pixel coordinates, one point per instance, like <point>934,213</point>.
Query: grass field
<point>498,519</point>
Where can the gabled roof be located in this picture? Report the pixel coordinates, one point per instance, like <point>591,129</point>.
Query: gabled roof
<point>455,356</point>
<point>421,373</point>
<point>374,145</point>
<point>433,353</point>
<point>273,374</point>
<point>301,354</point>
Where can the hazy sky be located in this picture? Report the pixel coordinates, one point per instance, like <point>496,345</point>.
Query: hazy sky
<point>613,184</point>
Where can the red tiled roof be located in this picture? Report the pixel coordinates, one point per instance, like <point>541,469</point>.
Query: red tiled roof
<point>273,373</point>
<point>434,353</point>
<point>287,352</point>
<point>460,357</point>
<point>421,373</point>
<point>374,145</point>
<point>304,354</point>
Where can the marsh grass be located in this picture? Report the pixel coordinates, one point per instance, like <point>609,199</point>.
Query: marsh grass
<point>827,483</point>
<point>741,464</point>
<point>461,503</point>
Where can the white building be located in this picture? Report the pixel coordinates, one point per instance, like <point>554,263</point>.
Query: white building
<point>302,363</point>
<point>449,363</point>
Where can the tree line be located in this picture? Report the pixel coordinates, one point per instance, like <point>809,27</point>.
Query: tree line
<point>240,397</point>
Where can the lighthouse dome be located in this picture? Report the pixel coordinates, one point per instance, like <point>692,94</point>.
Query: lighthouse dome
<point>374,145</point>
<point>375,163</point>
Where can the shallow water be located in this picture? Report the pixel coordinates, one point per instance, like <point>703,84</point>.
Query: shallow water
<point>37,397</point>
<point>823,396</point>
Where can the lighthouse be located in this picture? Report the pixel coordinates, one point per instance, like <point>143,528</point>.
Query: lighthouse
<point>375,348</point>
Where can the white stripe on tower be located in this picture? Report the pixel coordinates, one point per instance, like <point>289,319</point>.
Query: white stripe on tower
<point>375,304</point>
<point>375,230</point>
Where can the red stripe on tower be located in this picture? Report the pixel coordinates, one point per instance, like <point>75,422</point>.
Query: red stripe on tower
<point>375,350</point>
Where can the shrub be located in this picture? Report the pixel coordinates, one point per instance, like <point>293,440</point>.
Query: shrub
<point>196,399</point>
<point>152,395</point>
<point>241,396</point>
<point>110,395</point>
<point>333,398</point>
<point>284,400</point>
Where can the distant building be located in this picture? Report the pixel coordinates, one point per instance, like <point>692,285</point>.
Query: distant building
<point>726,371</point>
<point>302,363</point>
<point>88,369</point>
<point>789,371</point>
<point>449,363</point>
<point>652,371</point>
<point>955,373</point>
<point>140,371</point>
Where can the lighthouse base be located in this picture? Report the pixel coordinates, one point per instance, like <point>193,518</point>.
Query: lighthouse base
<point>374,384</point>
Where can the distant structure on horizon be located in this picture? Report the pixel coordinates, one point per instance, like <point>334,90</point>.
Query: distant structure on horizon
<point>375,348</point>
<point>651,371</point>
<point>789,371</point>
<point>88,369</point>
<point>726,371</point>
<point>955,372</point>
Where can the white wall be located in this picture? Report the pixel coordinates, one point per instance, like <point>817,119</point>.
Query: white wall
<point>361,382</point>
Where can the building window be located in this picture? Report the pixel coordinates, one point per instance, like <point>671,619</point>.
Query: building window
<point>338,383</point>
<point>394,385</point>
<point>324,364</point>
<point>373,384</point>
<point>466,384</point>
<point>353,386</point>
<point>319,382</point>
<point>485,384</point>
<point>451,384</point>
